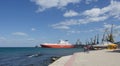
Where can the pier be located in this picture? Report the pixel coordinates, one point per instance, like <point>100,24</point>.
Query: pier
<point>93,58</point>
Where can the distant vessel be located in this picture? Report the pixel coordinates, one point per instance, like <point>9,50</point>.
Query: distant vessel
<point>60,44</point>
<point>107,40</point>
<point>79,44</point>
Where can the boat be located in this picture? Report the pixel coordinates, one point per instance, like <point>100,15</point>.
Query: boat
<point>79,44</point>
<point>60,44</point>
<point>106,45</point>
<point>107,41</point>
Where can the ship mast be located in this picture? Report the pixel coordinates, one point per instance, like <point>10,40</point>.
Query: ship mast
<point>78,42</point>
<point>97,38</point>
<point>103,38</point>
<point>111,35</point>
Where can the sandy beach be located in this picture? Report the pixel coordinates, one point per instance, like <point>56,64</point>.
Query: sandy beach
<point>93,58</point>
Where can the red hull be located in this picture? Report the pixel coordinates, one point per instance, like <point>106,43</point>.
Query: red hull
<point>57,46</point>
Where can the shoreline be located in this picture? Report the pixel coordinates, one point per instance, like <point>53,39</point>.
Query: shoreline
<point>103,57</point>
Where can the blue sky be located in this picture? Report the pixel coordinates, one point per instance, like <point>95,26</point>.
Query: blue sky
<point>26,23</point>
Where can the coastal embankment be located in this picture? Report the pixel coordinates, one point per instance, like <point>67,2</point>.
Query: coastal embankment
<point>93,58</point>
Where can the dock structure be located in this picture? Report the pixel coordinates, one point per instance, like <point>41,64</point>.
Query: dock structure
<point>93,58</point>
<point>62,61</point>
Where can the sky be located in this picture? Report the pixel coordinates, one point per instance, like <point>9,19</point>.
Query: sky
<point>27,23</point>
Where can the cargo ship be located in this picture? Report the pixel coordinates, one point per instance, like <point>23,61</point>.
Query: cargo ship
<point>60,44</point>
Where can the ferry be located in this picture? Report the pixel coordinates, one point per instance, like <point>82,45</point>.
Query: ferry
<point>60,44</point>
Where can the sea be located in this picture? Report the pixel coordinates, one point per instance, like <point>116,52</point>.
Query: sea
<point>31,56</point>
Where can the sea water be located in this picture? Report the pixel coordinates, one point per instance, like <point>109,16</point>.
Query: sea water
<point>30,56</point>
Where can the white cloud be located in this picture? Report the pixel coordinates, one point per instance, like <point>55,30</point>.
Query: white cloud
<point>82,31</point>
<point>64,24</point>
<point>115,9</point>
<point>112,10</point>
<point>2,39</point>
<point>93,15</point>
<point>90,1</point>
<point>109,26</point>
<point>69,32</point>
<point>93,12</point>
<point>46,4</point>
<point>116,29</point>
<point>96,19</point>
<point>31,40</point>
<point>74,31</point>
<point>70,13</point>
<point>60,27</point>
<point>33,29</point>
<point>19,34</point>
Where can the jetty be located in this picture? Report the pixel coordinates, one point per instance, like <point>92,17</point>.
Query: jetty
<point>103,57</point>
